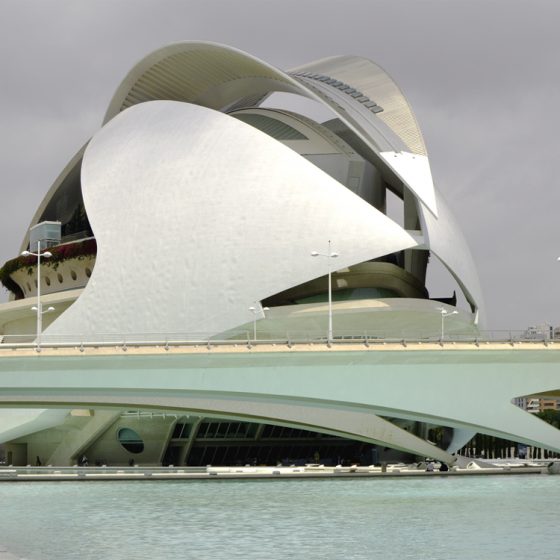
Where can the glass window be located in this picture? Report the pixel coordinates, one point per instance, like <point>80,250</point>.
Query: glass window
<point>130,440</point>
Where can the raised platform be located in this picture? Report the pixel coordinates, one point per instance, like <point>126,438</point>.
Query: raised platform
<point>29,474</point>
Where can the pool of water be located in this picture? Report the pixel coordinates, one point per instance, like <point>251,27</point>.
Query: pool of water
<point>486,517</point>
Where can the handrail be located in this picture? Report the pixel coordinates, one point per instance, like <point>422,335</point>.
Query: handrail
<point>244,338</point>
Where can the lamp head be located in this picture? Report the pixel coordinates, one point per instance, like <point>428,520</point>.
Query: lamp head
<point>333,255</point>
<point>46,254</point>
<point>25,253</point>
<point>314,254</point>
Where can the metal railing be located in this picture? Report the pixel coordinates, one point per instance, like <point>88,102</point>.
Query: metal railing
<point>246,337</point>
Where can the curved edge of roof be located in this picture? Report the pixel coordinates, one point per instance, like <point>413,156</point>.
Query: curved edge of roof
<point>340,67</point>
<point>144,64</point>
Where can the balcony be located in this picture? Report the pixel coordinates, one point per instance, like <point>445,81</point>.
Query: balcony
<point>69,268</point>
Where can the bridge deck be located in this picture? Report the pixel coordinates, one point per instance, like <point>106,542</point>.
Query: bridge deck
<point>346,388</point>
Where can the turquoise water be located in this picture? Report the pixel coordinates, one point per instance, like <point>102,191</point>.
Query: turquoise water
<point>480,518</point>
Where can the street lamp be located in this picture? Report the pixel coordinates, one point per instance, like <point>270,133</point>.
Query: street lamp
<point>444,315</point>
<point>330,255</point>
<point>256,311</point>
<point>39,307</point>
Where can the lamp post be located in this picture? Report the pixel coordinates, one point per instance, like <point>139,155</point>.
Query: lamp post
<point>255,312</point>
<point>444,315</point>
<point>330,255</point>
<point>39,307</point>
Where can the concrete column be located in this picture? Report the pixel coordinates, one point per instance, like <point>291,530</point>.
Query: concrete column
<point>184,454</point>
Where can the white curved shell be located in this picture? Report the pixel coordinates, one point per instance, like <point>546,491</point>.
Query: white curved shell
<point>198,215</point>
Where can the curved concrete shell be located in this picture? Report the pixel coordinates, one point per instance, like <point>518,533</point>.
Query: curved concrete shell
<point>184,246</point>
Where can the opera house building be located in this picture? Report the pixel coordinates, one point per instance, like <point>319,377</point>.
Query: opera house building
<point>214,205</point>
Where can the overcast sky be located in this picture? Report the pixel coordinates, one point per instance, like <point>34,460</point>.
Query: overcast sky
<point>483,77</point>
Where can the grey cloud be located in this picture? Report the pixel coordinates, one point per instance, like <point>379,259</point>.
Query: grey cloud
<point>482,76</point>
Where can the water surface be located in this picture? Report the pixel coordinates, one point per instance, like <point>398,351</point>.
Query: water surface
<point>486,517</point>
